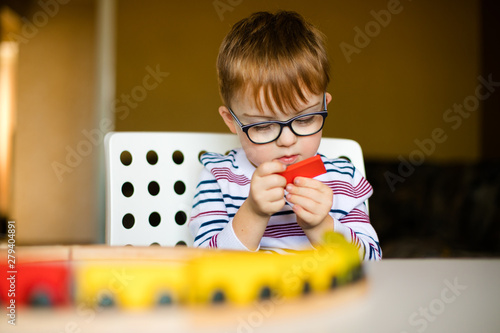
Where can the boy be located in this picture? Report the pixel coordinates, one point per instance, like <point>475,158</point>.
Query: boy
<point>273,73</point>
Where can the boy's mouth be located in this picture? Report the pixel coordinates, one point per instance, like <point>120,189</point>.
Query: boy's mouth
<point>287,160</point>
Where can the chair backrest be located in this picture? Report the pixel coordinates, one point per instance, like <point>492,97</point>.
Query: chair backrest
<point>152,176</point>
<point>343,148</point>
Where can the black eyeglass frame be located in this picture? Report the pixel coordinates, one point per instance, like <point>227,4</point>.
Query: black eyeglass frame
<point>288,123</point>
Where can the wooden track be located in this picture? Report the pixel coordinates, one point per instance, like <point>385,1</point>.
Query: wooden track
<point>257,317</point>
<point>81,272</point>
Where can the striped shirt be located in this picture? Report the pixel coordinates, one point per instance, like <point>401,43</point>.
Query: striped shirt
<point>225,184</point>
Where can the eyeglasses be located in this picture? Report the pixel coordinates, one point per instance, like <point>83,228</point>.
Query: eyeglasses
<point>269,131</point>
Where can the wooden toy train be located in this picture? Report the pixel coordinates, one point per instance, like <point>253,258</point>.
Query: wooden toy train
<point>135,277</point>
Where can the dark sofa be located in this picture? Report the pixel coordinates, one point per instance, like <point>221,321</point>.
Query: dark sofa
<point>437,210</point>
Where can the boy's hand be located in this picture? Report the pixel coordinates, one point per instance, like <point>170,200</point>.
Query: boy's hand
<point>312,202</point>
<point>266,197</point>
<point>267,189</point>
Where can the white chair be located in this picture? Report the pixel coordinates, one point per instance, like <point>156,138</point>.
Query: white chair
<point>152,176</point>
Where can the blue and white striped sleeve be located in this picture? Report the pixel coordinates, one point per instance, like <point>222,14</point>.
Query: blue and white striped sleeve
<point>351,190</point>
<point>210,224</point>
<point>356,226</point>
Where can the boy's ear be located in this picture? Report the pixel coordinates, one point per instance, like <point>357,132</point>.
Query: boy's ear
<point>228,119</point>
<point>328,98</point>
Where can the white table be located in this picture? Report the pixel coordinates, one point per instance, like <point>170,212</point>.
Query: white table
<point>422,296</point>
<point>434,295</point>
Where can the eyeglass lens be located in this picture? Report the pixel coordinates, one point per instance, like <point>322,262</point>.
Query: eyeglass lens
<point>305,125</point>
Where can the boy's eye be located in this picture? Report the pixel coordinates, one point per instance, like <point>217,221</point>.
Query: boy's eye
<point>305,120</point>
<point>263,127</point>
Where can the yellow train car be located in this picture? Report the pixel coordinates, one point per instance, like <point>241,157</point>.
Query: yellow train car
<point>234,277</point>
<point>141,278</point>
<point>241,277</point>
<point>130,284</point>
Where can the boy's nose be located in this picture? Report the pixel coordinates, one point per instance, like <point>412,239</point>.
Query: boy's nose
<point>286,138</point>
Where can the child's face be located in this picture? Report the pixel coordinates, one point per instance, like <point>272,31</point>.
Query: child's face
<point>288,148</point>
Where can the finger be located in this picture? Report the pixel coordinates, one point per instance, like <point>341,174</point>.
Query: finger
<point>269,168</point>
<point>269,182</point>
<point>310,187</point>
<point>303,192</point>
<point>302,214</point>
<point>303,195</point>
<point>272,207</point>
<point>305,202</point>
<point>275,194</point>
<point>308,182</point>
<point>277,180</point>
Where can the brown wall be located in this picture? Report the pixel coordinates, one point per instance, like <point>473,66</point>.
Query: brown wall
<point>395,91</point>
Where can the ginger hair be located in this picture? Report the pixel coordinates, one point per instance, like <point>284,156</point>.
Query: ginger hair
<point>279,55</point>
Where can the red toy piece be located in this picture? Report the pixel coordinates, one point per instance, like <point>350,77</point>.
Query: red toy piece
<point>310,168</point>
<point>36,284</point>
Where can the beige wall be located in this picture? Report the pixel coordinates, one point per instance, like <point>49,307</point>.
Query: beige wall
<point>55,104</point>
<point>393,92</point>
